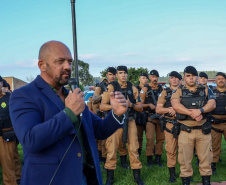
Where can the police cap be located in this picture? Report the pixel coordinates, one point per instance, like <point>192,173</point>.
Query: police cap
<point>191,69</point>
<point>122,68</point>
<point>221,74</point>
<point>144,74</point>
<point>1,79</point>
<point>175,74</point>
<point>203,74</point>
<point>111,70</point>
<point>154,72</point>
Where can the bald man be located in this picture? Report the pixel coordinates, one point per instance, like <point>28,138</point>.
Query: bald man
<point>58,147</point>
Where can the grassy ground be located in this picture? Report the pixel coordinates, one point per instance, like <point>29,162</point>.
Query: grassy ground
<point>156,175</point>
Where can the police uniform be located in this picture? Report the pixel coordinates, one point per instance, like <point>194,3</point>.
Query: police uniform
<point>141,120</point>
<point>218,123</point>
<point>171,124</point>
<point>8,144</point>
<point>152,125</point>
<point>113,142</point>
<point>99,90</point>
<point>194,133</point>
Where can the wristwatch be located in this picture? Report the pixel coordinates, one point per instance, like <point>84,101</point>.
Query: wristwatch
<point>202,110</point>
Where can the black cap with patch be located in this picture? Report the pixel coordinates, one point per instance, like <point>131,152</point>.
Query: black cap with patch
<point>111,70</point>
<point>221,74</point>
<point>154,72</point>
<point>191,69</point>
<point>144,74</point>
<point>122,68</point>
<point>203,74</point>
<point>175,74</point>
<point>1,79</point>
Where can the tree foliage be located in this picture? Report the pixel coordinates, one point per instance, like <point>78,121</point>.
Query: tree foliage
<point>85,78</point>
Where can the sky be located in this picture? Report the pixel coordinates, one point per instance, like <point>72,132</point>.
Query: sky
<point>164,35</point>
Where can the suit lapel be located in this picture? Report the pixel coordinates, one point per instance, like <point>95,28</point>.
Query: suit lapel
<point>48,92</point>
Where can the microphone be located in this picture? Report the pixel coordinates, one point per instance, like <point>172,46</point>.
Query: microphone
<point>72,83</point>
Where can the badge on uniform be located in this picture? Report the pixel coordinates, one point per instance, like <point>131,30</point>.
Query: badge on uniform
<point>174,90</point>
<point>3,105</point>
<point>129,92</point>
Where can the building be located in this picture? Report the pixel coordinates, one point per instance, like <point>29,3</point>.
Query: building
<point>14,83</point>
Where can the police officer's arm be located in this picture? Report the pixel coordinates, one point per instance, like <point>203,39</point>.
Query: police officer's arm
<point>177,106</point>
<point>105,106</point>
<point>143,96</point>
<point>211,104</point>
<point>160,109</point>
<point>97,95</point>
<point>138,105</point>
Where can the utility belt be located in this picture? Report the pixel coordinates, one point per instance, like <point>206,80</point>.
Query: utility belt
<point>8,134</point>
<point>217,130</point>
<point>175,129</point>
<point>214,120</point>
<point>206,128</point>
<point>186,117</point>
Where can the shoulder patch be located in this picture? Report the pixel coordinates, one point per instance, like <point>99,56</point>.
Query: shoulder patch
<point>174,90</point>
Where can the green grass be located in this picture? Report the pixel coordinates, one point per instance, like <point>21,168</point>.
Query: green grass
<point>156,175</point>
<point>159,176</point>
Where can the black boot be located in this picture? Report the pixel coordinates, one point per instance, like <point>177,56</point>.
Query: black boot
<point>110,177</point>
<point>139,151</point>
<point>185,180</point>
<point>172,175</point>
<point>124,161</point>
<point>136,175</point>
<point>158,160</point>
<point>206,180</point>
<point>149,161</point>
<point>214,168</point>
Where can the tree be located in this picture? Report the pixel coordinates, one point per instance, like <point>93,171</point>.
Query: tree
<point>85,78</point>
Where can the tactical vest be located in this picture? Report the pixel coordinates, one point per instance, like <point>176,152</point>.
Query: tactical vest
<point>167,98</point>
<point>149,97</point>
<point>103,86</point>
<point>193,100</point>
<point>5,121</point>
<point>138,87</point>
<point>128,91</point>
<point>220,102</point>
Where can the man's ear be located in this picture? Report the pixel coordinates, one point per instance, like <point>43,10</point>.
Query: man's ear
<point>42,65</point>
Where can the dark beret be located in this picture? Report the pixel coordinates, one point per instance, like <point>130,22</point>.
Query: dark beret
<point>191,69</point>
<point>202,74</point>
<point>175,74</point>
<point>111,70</point>
<point>221,74</point>
<point>122,68</point>
<point>1,79</point>
<point>154,72</point>
<point>144,74</point>
<point>5,84</point>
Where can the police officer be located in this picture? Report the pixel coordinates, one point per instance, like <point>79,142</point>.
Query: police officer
<point>110,77</point>
<point>218,118</point>
<point>203,78</point>
<point>141,118</point>
<point>192,102</point>
<point>164,107</point>
<point>149,96</point>
<point>8,144</point>
<point>112,143</point>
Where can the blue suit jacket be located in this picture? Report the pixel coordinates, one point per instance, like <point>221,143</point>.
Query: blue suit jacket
<point>45,132</point>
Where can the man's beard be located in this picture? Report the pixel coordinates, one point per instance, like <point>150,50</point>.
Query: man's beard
<point>60,80</point>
